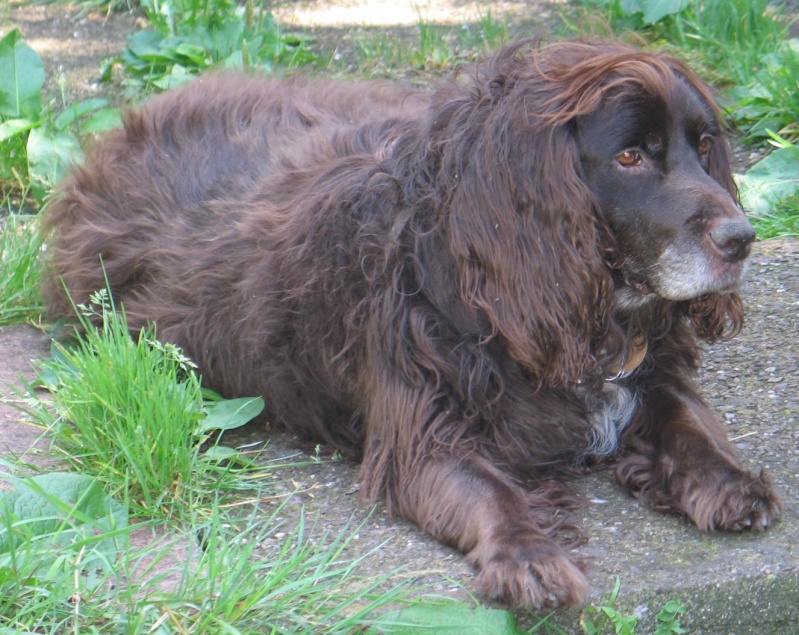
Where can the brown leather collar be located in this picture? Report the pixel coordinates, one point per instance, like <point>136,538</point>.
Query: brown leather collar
<point>638,348</point>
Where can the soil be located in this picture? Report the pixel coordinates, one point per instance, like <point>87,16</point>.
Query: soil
<point>753,381</point>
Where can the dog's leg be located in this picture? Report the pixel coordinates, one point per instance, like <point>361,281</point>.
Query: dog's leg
<point>471,506</point>
<point>680,459</point>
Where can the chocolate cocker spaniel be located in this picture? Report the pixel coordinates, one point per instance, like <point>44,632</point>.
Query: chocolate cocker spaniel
<point>472,289</point>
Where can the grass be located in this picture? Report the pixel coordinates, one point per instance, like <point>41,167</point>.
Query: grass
<point>66,569</point>
<point>20,245</point>
<point>726,39</point>
<point>781,221</point>
<point>132,420</point>
<point>429,48</point>
<point>133,414</point>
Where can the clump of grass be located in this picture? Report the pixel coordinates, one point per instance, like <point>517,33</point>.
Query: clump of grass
<point>375,53</point>
<point>726,38</point>
<point>132,412</point>
<point>433,52</point>
<point>781,221</point>
<point>486,35</point>
<point>431,48</point>
<point>730,37</point>
<point>20,245</point>
<point>67,564</point>
<point>191,36</point>
<point>606,618</point>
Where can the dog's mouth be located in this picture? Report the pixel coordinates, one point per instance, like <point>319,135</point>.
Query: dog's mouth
<point>676,277</point>
<point>683,275</point>
<point>641,287</point>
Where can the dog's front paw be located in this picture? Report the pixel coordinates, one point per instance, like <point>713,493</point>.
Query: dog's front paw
<point>742,501</point>
<point>532,571</point>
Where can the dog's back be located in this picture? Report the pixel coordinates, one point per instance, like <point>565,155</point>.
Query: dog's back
<point>185,205</point>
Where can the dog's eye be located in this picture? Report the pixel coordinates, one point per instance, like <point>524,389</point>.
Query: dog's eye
<point>629,158</point>
<point>705,145</point>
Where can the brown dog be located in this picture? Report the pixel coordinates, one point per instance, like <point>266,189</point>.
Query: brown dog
<point>472,289</point>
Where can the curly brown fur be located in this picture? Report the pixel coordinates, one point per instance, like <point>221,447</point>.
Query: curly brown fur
<point>441,282</point>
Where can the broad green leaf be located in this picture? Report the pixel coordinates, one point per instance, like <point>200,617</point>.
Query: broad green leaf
<point>21,78</point>
<point>50,154</point>
<point>230,413</point>
<point>772,179</point>
<point>102,121</point>
<point>454,618</point>
<point>656,10</point>
<point>224,453</point>
<point>653,10</point>
<point>195,54</point>
<point>631,7</point>
<point>13,127</point>
<point>178,76</point>
<point>144,43</point>
<point>50,513</point>
<point>77,110</point>
<point>58,368</point>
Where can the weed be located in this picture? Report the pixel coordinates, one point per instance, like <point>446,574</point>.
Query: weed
<point>191,36</point>
<point>36,145</point>
<point>132,413</point>
<point>67,563</point>
<point>770,100</point>
<point>433,52</point>
<point>769,190</point>
<point>605,618</point>
<point>726,38</point>
<point>20,245</point>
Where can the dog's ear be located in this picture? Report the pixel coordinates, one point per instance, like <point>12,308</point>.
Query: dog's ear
<point>523,229</point>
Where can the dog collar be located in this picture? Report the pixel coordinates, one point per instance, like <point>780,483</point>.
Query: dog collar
<point>638,349</point>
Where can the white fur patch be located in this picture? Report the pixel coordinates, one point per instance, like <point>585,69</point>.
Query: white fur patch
<point>610,412</point>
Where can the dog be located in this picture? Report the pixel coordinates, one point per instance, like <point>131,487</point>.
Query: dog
<point>472,289</point>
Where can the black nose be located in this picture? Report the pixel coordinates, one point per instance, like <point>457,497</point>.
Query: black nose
<point>733,238</point>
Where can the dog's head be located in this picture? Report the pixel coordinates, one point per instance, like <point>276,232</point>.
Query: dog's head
<point>581,179</point>
<point>654,157</point>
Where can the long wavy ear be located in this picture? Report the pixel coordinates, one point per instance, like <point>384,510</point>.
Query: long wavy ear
<point>523,228</point>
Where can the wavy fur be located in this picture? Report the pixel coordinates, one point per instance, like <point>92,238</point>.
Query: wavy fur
<point>439,282</point>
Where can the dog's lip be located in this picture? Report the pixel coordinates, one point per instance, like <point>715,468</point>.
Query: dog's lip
<point>637,283</point>
<point>641,287</point>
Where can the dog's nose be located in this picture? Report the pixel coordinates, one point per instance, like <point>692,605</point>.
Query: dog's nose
<point>733,238</point>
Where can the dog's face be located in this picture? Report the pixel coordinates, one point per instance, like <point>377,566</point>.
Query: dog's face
<point>649,162</point>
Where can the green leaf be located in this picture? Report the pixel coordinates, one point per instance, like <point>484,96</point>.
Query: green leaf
<point>102,121</point>
<point>13,127</point>
<point>59,368</point>
<point>455,618</point>
<point>50,154</point>
<point>656,10</point>
<point>63,509</point>
<point>223,453</point>
<point>774,178</point>
<point>230,413</point>
<point>21,78</point>
<point>144,43</point>
<point>77,110</point>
